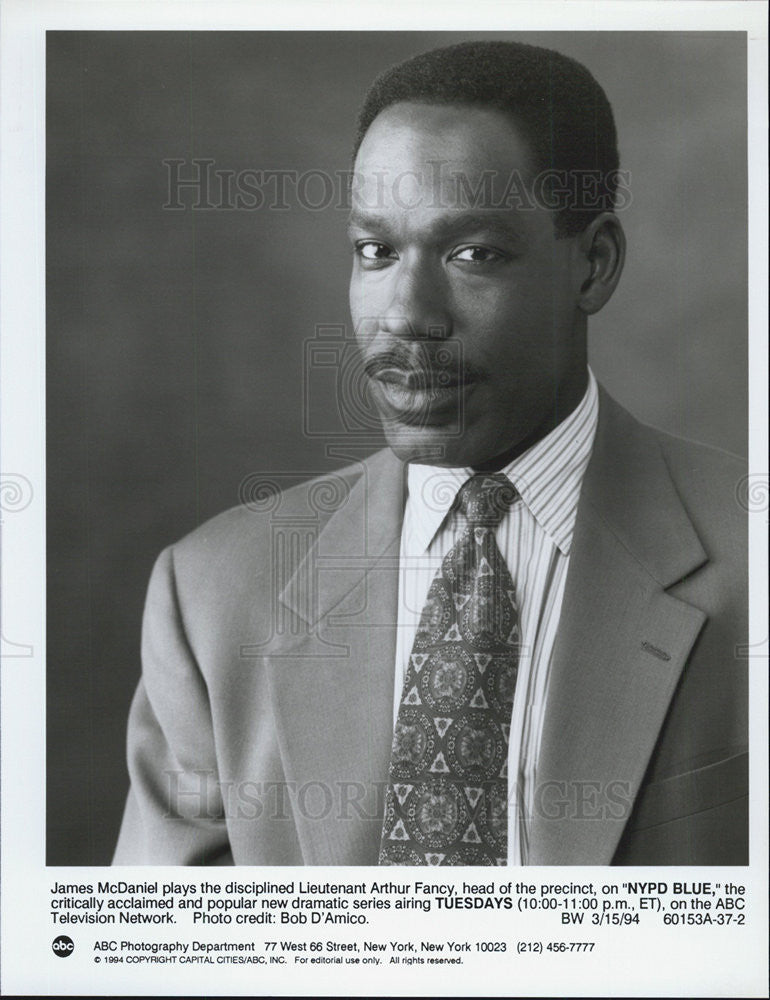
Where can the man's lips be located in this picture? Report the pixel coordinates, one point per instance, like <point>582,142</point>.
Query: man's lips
<point>420,379</point>
<point>418,396</point>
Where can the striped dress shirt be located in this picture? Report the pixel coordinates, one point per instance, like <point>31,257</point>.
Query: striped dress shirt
<point>535,538</point>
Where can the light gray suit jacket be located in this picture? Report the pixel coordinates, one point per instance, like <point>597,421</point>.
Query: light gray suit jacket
<point>260,732</point>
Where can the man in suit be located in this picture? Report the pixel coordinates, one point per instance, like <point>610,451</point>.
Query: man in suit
<point>299,703</point>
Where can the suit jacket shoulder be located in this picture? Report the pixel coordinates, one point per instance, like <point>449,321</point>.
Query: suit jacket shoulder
<point>710,483</point>
<point>266,503</point>
<point>229,561</point>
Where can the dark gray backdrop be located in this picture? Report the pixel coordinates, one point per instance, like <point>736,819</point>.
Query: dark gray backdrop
<point>175,338</point>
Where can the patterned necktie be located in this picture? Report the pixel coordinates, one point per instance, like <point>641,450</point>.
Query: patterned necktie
<point>447,795</point>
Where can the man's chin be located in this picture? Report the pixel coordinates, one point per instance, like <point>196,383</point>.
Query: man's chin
<point>427,445</point>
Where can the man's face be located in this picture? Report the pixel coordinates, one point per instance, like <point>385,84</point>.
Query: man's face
<point>465,314</point>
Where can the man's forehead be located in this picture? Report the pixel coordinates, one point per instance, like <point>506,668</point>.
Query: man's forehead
<point>460,156</point>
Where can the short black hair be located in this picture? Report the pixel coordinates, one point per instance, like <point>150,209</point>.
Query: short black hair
<point>562,111</point>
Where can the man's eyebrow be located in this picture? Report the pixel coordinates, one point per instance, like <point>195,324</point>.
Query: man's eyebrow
<point>501,223</point>
<point>360,220</point>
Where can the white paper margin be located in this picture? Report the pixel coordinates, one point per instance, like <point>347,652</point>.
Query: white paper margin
<point>27,962</point>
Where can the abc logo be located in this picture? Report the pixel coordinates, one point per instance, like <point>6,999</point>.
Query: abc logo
<point>63,946</point>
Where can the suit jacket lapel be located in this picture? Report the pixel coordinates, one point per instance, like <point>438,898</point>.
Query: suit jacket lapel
<point>332,678</point>
<point>621,646</point>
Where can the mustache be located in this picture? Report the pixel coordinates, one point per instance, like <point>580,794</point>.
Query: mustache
<point>420,366</point>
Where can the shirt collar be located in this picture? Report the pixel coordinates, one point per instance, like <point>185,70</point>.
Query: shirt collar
<point>548,477</point>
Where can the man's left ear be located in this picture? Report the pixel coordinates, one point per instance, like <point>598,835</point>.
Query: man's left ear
<point>602,251</point>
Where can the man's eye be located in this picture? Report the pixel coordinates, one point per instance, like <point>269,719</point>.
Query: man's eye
<point>476,254</point>
<point>370,250</point>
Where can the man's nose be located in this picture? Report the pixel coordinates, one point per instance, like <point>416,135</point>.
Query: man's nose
<point>417,305</point>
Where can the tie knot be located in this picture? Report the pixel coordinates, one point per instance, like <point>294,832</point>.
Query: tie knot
<point>485,498</point>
